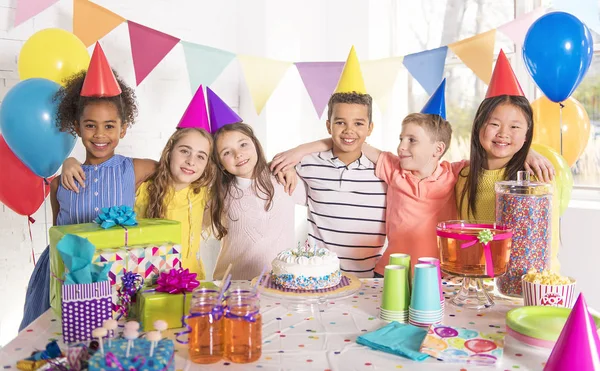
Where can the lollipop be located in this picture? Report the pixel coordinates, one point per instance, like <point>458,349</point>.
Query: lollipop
<point>110,325</point>
<point>154,337</point>
<point>99,333</point>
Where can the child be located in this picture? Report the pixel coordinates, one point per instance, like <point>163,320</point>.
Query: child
<point>251,212</point>
<point>98,107</point>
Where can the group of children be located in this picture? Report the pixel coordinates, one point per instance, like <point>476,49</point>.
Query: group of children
<point>221,181</point>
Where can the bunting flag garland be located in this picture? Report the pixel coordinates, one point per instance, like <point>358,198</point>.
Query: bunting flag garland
<point>262,76</point>
<point>91,22</point>
<point>320,79</point>
<point>380,76</point>
<point>427,67</point>
<point>477,53</point>
<point>148,48</point>
<point>27,9</point>
<point>204,63</point>
<point>517,28</point>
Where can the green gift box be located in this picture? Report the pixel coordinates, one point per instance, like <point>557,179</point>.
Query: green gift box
<point>154,305</point>
<point>148,231</point>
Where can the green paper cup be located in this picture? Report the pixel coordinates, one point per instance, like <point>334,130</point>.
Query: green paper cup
<point>395,288</point>
<point>400,259</point>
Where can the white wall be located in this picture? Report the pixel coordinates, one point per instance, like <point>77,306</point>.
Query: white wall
<point>310,30</point>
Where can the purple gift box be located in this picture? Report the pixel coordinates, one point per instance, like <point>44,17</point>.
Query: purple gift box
<point>84,308</point>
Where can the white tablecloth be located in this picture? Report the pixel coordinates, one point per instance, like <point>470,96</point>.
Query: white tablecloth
<point>322,339</point>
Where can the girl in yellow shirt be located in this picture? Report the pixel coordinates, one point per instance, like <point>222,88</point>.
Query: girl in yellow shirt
<point>178,190</point>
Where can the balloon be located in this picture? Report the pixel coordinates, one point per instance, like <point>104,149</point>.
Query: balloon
<point>467,334</point>
<point>563,180</point>
<point>52,54</point>
<point>446,332</point>
<point>575,127</point>
<point>480,345</point>
<point>28,124</point>
<point>558,51</point>
<point>20,189</point>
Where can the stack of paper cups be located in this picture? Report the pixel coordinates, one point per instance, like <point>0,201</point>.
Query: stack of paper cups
<point>404,260</point>
<point>394,302</point>
<point>436,262</point>
<point>425,308</point>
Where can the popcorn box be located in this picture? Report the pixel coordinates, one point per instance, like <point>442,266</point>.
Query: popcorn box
<point>153,305</point>
<point>148,232</point>
<point>548,295</point>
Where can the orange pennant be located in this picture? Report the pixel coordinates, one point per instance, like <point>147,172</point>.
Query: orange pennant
<point>477,53</point>
<point>91,22</point>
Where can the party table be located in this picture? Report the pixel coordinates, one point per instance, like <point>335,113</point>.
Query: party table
<point>322,337</point>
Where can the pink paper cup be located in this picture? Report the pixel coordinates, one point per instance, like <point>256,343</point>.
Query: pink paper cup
<point>548,295</point>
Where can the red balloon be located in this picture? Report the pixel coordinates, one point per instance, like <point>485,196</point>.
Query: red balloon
<point>480,345</point>
<point>20,189</point>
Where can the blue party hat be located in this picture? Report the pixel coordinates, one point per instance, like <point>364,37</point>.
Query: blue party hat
<point>436,105</point>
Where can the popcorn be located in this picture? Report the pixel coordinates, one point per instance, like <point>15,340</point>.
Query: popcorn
<point>546,278</point>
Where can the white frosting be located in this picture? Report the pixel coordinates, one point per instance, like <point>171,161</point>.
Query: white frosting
<point>304,262</point>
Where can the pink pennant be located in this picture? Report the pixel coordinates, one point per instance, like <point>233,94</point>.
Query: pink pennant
<point>148,48</point>
<point>320,80</point>
<point>517,28</point>
<point>30,8</point>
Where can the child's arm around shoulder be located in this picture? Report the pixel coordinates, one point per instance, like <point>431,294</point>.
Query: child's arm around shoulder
<point>143,169</point>
<point>53,199</point>
<point>285,160</point>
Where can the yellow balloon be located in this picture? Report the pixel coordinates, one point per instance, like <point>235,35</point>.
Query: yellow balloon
<point>52,54</point>
<point>575,127</point>
<point>563,181</point>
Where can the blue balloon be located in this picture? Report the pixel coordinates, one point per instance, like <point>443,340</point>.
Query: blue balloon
<point>558,51</point>
<point>28,124</point>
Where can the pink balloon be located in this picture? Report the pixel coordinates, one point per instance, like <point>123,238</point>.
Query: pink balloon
<point>480,345</point>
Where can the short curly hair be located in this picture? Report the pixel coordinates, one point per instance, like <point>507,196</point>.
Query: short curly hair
<point>351,98</point>
<point>71,104</point>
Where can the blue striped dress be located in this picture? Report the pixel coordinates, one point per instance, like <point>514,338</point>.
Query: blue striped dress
<point>111,183</point>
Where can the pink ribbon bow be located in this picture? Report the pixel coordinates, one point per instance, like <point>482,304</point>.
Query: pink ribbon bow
<point>487,250</point>
<point>177,281</point>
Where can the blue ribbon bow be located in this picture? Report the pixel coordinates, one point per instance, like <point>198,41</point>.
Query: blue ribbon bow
<point>116,215</point>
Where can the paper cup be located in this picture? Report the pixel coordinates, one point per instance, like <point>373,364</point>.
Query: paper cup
<point>425,294</point>
<point>436,262</point>
<point>395,291</point>
<point>548,295</point>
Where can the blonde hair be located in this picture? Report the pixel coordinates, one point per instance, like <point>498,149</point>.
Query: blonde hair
<point>439,130</point>
<point>159,190</point>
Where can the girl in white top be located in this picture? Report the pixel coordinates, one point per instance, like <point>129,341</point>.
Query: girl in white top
<point>250,211</point>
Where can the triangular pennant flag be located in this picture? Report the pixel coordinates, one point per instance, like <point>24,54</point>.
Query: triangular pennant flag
<point>262,76</point>
<point>351,78</point>
<point>436,105</point>
<point>427,67</point>
<point>148,48</point>
<point>99,80</point>
<point>578,345</point>
<point>504,81</point>
<point>30,8</point>
<point>204,64</point>
<point>585,10</point>
<point>477,53</point>
<point>380,77</point>
<point>220,113</point>
<point>195,116</point>
<point>91,22</point>
<point>320,78</point>
<point>517,28</point>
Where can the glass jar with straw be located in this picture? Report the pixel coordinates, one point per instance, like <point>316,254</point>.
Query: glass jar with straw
<point>206,323</point>
<point>243,326</point>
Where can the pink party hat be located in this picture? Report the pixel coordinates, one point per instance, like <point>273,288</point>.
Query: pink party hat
<point>220,113</point>
<point>578,345</point>
<point>195,116</point>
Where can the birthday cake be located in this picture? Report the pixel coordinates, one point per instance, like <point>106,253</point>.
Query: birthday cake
<point>115,356</point>
<point>306,268</point>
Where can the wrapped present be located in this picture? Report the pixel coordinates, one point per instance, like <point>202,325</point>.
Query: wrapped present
<point>170,300</point>
<point>115,357</point>
<point>147,234</point>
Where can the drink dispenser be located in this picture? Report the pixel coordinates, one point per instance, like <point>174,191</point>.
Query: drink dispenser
<point>526,208</point>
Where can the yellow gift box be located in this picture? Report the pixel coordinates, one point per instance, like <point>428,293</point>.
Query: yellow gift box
<point>148,231</point>
<point>154,305</point>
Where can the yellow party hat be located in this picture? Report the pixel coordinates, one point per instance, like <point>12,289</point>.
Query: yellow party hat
<point>351,78</point>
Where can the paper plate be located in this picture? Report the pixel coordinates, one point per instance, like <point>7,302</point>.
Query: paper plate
<point>542,322</point>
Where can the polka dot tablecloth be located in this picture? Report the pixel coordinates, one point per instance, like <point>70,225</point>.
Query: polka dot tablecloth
<point>323,338</point>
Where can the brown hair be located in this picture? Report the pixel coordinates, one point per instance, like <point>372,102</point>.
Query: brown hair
<point>159,190</point>
<point>478,154</point>
<point>71,104</point>
<point>351,98</point>
<point>439,130</point>
<point>225,183</point>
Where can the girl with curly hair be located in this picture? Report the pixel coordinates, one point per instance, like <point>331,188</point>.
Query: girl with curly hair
<point>178,190</point>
